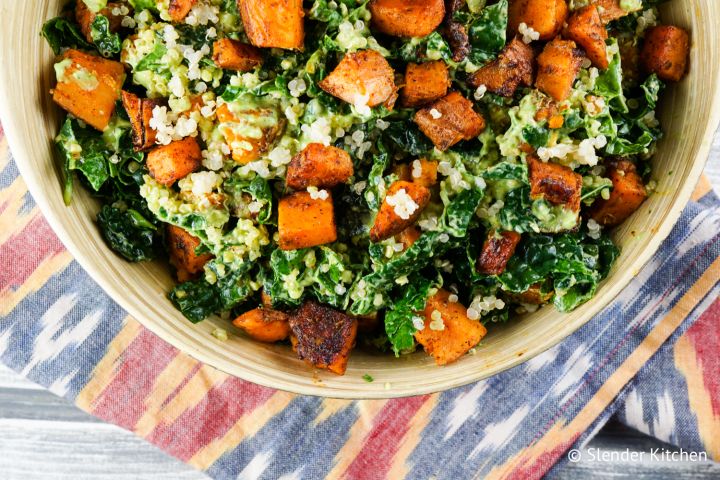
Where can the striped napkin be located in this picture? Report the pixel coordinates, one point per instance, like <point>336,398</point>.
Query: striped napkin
<point>650,358</point>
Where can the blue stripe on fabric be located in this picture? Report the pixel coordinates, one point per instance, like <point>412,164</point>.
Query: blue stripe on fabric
<point>63,348</point>
<point>292,443</point>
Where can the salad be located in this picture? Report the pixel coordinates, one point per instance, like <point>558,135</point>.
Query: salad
<point>398,174</point>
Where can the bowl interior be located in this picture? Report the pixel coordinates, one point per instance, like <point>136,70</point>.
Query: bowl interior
<point>689,114</point>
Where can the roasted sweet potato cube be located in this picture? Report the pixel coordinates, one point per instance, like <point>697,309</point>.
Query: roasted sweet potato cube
<point>264,324</point>
<point>407,18</point>
<point>323,337</point>
<point>533,295</point>
<point>496,252</point>
<point>609,10</point>
<point>544,16</point>
<point>586,29</point>
<point>273,23</point>
<point>169,163</point>
<point>140,111</point>
<point>626,196</point>
<point>408,236</point>
<point>403,204</point>
<point>234,55</point>
<point>88,87</point>
<point>512,68</point>
<point>555,183</point>
<point>424,172</point>
<point>236,129</point>
<point>459,333</point>
<point>182,246</point>
<point>424,83</point>
<point>363,78</point>
<point>85,17</point>
<point>665,52</point>
<point>449,120</point>
<point>558,66</point>
<point>305,222</point>
<point>319,166</point>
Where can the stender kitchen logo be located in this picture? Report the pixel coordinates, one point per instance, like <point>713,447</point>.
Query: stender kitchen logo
<point>594,454</point>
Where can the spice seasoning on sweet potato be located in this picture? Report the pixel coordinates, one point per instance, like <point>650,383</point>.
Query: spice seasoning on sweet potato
<point>558,67</point>
<point>665,52</point>
<point>305,222</point>
<point>273,23</point>
<point>318,165</point>
<point>496,252</point>
<point>169,163</point>
<point>544,16</point>
<point>449,120</point>
<point>403,204</point>
<point>626,196</point>
<point>323,336</point>
<point>231,54</point>
<point>555,183</point>
<point>88,86</point>
<point>181,247</point>
<point>458,334</point>
<point>265,324</point>
<point>364,79</point>
<point>512,68</point>
<point>585,28</point>
<point>424,83</point>
<point>140,111</point>
<point>406,18</point>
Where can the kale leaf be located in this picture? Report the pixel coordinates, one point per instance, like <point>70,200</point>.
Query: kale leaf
<point>107,42</point>
<point>62,33</point>
<point>128,232</point>
<point>487,32</point>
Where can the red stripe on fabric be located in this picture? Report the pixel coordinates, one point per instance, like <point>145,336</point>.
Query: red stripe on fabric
<point>385,438</point>
<point>542,463</point>
<point>210,419</point>
<point>123,400</point>
<point>705,337</point>
<point>25,251</point>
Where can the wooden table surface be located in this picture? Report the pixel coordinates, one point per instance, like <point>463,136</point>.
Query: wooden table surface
<point>46,437</point>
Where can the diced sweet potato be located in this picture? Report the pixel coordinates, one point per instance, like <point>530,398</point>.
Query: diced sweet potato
<point>558,66</point>
<point>169,163</point>
<point>533,295</point>
<point>512,68</point>
<point>555,183</point>
<point>273,23</point>
<point>408,236</point>
<point>609,10</point>
<point>428,172</point>
<point>408,198</point>
<point>182,246</point>
<point>407,18</point>
<point>449,120</point>
<point>305,222</point>
<point>627,195</point>
<point>179,9</point>
<point>424,83</point>
<point>665,52</point>
<point>362,78</point>
<point>544,16</point>
<point>323,337</point>
<point>459,334</point>
<point>586,29</point>
<point>85,17</point>
<point>88,87</point>
<point>496,252</point>
<point>236,127</point>
<point>140,112</point>
<point>265,324</point>
<point>234,55</point>
<point>319,166</point>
